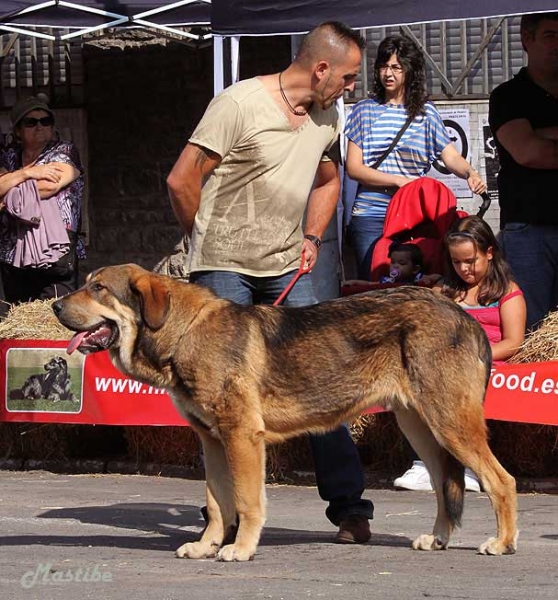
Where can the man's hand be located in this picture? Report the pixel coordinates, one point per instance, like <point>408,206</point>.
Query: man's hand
<point>309,254</point>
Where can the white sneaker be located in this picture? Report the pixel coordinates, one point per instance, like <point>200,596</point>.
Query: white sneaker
<point>471,481</point>
<point>415,478</point>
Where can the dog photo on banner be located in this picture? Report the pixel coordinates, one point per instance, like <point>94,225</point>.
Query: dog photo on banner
<point>43,380</point>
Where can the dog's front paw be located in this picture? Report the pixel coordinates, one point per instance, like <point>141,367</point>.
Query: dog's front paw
<point>494,547</point>
<point>429,542</point>
<point>197,550</point>
<point>234,552</point>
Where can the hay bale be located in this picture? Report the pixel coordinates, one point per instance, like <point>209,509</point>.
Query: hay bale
<point>525,449</point>
<point>33,321</point>
<point>60,442</point>
<point>164,445</point>
<point>381,446</point>
<point>540,345</point>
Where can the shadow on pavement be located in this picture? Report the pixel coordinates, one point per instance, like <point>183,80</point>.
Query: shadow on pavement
<point>169,520</point>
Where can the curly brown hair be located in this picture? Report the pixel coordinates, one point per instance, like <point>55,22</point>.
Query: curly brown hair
<point>412,60</point>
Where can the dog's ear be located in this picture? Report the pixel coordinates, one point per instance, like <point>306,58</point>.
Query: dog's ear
<point>154,298</point>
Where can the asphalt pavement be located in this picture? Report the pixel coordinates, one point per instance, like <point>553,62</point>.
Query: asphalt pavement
<point>112,537</point>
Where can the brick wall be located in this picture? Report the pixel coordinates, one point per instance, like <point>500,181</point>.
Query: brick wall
<point>142,103</point>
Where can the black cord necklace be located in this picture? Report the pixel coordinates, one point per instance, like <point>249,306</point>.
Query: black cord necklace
<point>298,113</point>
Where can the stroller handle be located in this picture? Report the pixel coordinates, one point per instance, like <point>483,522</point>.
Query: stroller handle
<point>485,205</point>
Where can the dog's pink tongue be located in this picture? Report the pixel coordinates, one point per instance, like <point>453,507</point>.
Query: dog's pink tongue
<point>76,341</point>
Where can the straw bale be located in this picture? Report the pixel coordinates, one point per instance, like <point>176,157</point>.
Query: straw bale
<point>60,442</point>
<point>542,344</point>
<point>164,445</point>
<point>525,449</point>
<point>33,321</point>
<point>380,444</point>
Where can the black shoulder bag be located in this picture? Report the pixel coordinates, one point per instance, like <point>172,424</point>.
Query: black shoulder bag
<point>385,154</point>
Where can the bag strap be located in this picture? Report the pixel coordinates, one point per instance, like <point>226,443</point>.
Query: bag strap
<point>385,154</point>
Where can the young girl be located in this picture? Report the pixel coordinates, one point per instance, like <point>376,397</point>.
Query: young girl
<point>480,281</point>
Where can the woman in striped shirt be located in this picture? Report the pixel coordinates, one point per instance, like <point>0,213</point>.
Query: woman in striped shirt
<point>400,94</point>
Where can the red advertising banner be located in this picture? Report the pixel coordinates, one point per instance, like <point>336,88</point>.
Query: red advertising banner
<point>39,382</point>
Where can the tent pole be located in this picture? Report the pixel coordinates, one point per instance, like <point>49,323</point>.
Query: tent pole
<point>235,43</point>
<point>218,72</point>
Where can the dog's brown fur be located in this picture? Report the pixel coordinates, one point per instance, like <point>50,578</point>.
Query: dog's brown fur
<point>247,375</point>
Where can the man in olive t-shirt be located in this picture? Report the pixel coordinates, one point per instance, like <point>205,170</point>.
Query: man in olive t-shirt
<point>258,160</point>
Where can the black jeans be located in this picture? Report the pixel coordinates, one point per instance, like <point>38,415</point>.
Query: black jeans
<point>339,475</point>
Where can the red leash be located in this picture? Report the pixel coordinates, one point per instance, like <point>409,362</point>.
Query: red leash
<point>301,271</point>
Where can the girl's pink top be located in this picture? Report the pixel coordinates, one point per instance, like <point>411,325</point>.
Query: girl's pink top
<point>489,318</point>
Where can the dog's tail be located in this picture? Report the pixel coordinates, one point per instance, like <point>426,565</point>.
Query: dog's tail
<point>454,490</point>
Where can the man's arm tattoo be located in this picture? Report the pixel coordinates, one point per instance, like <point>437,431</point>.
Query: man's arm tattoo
<point>201,158</point>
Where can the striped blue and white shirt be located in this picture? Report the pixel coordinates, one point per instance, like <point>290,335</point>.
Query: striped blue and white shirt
<point>373,126</point>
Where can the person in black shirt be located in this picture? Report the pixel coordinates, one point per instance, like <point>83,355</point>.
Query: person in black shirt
<point>524,120</point>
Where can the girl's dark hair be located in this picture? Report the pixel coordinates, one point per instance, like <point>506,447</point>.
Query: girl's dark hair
<point>412,60</point>
<point>498,278</point>
<point>412,249</point>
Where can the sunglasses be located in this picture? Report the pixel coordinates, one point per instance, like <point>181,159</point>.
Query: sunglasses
<point>33,122</point>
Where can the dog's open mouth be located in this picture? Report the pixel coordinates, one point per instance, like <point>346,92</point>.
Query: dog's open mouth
<point>98,338</point>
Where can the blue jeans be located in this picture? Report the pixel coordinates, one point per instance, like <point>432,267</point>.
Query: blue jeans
<point>337,464</point>
<point>532,253</point>
<point>363,232</point>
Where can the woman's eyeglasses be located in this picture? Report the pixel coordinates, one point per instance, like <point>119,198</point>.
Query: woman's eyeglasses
<point>30,122</point>
<point>392,68</point>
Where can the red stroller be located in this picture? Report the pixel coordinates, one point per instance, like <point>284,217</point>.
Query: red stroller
<point>420,212</point>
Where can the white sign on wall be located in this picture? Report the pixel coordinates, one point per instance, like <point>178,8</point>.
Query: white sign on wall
<point>457,124</point>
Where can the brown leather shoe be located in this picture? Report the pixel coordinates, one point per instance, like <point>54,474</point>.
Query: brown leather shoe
<point>355,529</point>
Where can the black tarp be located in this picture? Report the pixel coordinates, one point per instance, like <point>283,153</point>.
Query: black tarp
<point>264,17</point>
<point>63,16</point>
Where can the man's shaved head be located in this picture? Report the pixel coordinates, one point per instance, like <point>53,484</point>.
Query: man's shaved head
<point>328,41</point>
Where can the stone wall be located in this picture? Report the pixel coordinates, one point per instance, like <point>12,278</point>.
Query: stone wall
<point>142,104</point>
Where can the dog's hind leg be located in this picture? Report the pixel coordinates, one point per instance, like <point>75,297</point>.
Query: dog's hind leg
<point>501,489</point>
<point>245,447</point>
<point>447,480</point>
<point>220,502</point>
<point>469,444</point>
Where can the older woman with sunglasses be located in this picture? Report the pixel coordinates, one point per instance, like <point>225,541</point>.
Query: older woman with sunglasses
<point>399,104</point>
<point>55,168</point>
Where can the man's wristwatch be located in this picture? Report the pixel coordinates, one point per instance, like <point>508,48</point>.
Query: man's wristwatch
<point>314,239</point>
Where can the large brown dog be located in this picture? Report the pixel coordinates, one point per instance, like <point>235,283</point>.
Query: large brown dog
<point>247,375</point>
